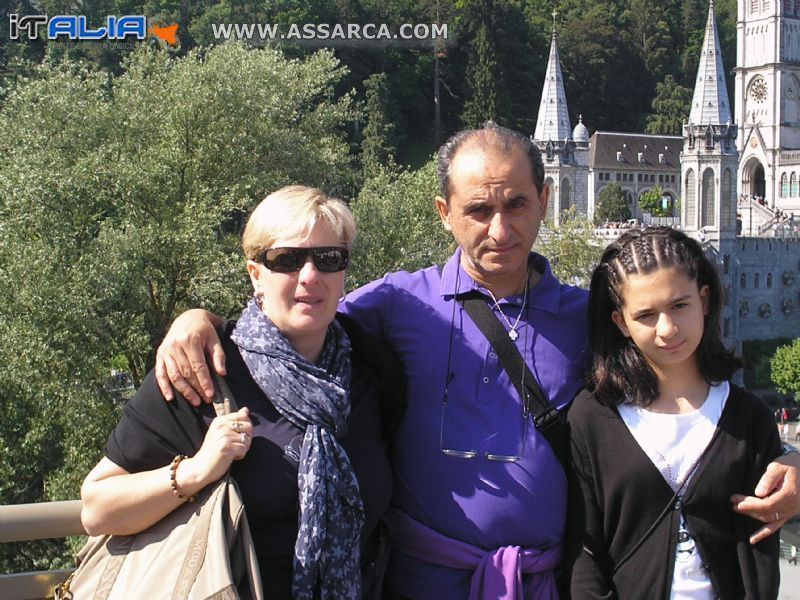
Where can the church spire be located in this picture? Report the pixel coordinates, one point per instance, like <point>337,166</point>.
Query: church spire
<point>552,123</point>
<point>710,103</point>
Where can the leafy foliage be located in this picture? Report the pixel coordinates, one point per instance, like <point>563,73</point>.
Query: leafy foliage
<point>670,108</point>
<point>492,64</point>
<point>377,148</point>
<point>611,205</point>
<point>572,248</point>
<point>399,228</point>
<point>651,202</point>
<point>121,202</point>
<point>785,364</point>
<point>756,355</point>
<point>481,82</point>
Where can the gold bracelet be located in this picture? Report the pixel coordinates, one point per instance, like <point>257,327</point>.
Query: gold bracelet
<point>172,469</point>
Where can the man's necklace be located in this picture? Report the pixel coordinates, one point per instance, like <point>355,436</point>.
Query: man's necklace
<point>512,329</point>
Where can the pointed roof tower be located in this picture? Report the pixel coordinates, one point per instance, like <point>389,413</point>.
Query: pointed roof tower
<point>710,103</point>
<point>552,122</point>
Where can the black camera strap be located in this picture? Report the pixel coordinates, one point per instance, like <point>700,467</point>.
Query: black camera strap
<point>546,417</point>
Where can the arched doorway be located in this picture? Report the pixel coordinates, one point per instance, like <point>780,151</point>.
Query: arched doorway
<point>753,182</point>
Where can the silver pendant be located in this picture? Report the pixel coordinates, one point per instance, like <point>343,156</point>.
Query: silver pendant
<point>513,335</point>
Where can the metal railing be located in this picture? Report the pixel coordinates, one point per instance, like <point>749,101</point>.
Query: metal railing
<point>45,520</point>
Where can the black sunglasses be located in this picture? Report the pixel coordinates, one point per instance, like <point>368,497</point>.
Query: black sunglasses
<point>327,259</point>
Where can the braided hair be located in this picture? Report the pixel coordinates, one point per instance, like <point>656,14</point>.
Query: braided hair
<point>621,372</point>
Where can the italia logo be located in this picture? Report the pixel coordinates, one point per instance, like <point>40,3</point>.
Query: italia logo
<point>76,27</point>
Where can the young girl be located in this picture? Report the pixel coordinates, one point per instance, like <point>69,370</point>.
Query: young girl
<point>661,439</point>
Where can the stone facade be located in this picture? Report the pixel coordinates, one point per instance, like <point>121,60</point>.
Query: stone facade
<point>768,100</point>
<point>766,275</point>
<point>736,183</point>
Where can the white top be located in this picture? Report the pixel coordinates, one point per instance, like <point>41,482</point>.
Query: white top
<point>674,443</point>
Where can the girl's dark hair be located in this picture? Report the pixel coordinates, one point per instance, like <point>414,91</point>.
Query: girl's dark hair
<point>491,137</point>
<point>621,372</point>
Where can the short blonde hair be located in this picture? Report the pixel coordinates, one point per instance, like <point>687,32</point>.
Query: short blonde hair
<point>293,211</point>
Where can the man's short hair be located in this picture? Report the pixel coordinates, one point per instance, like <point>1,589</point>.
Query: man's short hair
<point>492,138</point>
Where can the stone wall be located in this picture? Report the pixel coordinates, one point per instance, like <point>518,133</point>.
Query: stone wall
<point>767,280</point>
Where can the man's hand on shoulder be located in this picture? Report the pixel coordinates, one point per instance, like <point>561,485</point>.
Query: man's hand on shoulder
<point>181,357</point>
<point>777,497</point>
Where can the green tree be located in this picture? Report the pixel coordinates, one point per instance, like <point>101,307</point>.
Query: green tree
<point>399,228</point>
<point>610,98</point>
<point>785,365</point>
<point>377,147</point>
<point>481,104</point>
<point>651,36</point>
<point>572,248</point>
<point>651,202</point>
<point>670,108</point>
<point>121,203</point>
<point>611,205</point>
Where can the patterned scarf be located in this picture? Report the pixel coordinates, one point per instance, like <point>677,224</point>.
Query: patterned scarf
<point>314,398</point>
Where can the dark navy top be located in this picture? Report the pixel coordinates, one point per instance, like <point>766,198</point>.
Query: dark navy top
<point>153,431</point>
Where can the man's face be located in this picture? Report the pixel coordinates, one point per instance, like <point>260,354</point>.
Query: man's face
<point>494,214</point>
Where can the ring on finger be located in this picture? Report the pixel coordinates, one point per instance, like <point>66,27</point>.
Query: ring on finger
<point>237,427</point>
<point>244,437</point>
<point>777,516</point>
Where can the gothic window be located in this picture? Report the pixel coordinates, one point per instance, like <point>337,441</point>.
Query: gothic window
<point>691,200</point>
<point>743,281</point>
<point>793,186</point>
<point>769,280</point>
<point>708,198</point>
<point>728,200</point>
<point>791,93</point>
<point>709,139</point>
<point>549,218</point>
<point>756,280</point>
<point>784,186</point>
<point>564,195</point>
<point>726,264</point>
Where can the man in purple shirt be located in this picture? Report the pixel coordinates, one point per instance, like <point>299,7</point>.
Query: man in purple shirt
<point>479,494</point>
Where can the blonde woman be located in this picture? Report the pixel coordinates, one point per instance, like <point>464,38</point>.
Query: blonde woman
<point>305,448</point>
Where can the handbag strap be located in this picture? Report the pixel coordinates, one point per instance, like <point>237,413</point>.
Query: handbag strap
<point>546,417</point>
<point>224,402</point>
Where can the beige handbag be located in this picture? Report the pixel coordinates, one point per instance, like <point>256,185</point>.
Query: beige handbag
<point>202,550</point>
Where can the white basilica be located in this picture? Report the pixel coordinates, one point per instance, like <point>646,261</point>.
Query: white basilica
<point>734,175</point>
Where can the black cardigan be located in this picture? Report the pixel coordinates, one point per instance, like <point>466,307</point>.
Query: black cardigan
<point>616,494</point>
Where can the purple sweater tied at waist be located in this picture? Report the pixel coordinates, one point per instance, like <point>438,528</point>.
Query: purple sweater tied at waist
<point>498,573</point>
